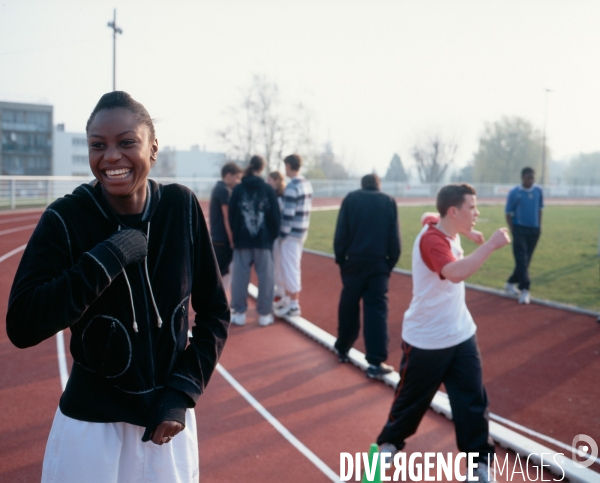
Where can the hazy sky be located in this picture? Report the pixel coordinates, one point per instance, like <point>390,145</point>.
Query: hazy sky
<point>378,74</point>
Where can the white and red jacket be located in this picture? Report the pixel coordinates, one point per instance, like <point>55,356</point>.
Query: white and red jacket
<point>437,317</point>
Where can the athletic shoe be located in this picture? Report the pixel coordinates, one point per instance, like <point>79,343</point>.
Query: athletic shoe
<point>239,318</point>
<point>343,356</point>
<point>483,473</point>
<point>388,448</point>
<point>265,320</point>
<point>510,289</point>
<point>377,372</point>
<point>279,303</point>
<point>288,311</point>
<point>524,297</point>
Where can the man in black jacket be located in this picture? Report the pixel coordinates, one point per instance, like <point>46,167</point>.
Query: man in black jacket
<point>367,247</point>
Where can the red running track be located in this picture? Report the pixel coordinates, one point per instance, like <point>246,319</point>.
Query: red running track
<point>329,407</point>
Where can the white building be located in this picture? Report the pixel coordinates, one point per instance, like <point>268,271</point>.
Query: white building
<point>195,163</point>
<point>70,153</point>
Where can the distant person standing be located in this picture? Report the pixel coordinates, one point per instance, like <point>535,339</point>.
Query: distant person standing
<point>367,247</point>
<point>297,202</point>
<point>255,219</point>
<point>220,231</point>
<point>524,217</point>
<point>277,181</point>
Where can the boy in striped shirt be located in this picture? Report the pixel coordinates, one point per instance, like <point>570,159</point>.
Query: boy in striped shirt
<point>297,202</point>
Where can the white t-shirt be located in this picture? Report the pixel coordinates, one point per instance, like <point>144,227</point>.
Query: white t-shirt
<point>437,317</point>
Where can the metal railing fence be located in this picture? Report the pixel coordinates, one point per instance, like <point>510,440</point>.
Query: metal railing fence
<point>24,191</point>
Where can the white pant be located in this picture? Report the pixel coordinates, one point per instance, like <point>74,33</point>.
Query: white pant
<point>291,255</point>
<point>78,451</point>
<point>279,285</point>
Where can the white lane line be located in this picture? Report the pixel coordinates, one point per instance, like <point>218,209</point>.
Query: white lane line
<point>12,252</point>
<point>313,458</point>
<point>19,218</point>
<point>20,228</point>
<point>441,404</point>
<point>62,359</point>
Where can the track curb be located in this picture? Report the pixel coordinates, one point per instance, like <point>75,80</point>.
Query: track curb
<point>559,465</point>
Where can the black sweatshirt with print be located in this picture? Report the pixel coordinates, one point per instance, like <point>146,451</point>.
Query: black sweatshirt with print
<point>68,279</point>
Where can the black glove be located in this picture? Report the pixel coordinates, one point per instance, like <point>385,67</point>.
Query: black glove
<point>169,405</point>
<point>129,246</point>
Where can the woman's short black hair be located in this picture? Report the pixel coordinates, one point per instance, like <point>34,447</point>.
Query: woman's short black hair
<point>112,100</point>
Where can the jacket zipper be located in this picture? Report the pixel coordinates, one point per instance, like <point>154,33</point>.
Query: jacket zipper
<point>149,325</point>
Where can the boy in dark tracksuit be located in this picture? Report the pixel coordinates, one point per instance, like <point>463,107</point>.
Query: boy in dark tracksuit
<point>367,247</point>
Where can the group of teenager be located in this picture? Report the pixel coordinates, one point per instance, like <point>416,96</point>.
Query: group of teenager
<point>120,259</point>
<point>264,224</point>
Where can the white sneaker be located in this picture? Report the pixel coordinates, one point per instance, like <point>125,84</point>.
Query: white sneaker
<point>510,289</point>
<point>484,473</point>
<point>524,297</point>
<point>265,320</point>
<point>279,304</point>
<point>288,311</point>
<point>388,448</point>
<point>239,318</point>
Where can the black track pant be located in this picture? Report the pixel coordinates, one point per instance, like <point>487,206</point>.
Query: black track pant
<point>370,282</point>
<point>525,239</point>
<point>224,255</point>
<point>421,374</point>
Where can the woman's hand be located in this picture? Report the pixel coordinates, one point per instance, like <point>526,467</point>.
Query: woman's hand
<point>166,431</point>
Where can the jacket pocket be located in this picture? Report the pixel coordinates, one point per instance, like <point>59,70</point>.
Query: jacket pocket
<point>179,324</point>
<point>107,346</point>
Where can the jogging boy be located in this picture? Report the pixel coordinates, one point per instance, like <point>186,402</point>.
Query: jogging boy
<point>438,332</point>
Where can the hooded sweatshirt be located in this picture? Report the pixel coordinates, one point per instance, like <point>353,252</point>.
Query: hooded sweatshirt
<point>254,214</point>
<point>129,326</point>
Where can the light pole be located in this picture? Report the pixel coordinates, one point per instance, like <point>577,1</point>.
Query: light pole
<point>543,177</point>
<point>116,30</point>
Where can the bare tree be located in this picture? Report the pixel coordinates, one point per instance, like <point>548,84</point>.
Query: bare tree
<point>262,124</point>
<point>433,157</point>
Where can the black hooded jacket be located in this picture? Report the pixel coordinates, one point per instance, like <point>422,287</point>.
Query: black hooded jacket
<point>254,214</point>
<point>68,279</point>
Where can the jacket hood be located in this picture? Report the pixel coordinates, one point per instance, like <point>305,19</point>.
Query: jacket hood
<point>91,195</point>
<point>252,182</point>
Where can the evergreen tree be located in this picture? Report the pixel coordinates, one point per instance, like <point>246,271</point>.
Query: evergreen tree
<point>395,171</point>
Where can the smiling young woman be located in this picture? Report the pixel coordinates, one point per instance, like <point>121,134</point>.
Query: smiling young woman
<point>93,264</point>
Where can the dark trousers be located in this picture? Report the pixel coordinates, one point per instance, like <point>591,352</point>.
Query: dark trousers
<point>370,282</point>
<point>224,254</point>
<point>421,374</point>
<point>525,239</point>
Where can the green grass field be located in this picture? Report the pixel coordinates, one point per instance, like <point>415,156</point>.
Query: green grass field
<point>565,266</point>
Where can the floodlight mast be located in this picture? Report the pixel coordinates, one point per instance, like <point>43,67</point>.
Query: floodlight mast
<point>116,30</point>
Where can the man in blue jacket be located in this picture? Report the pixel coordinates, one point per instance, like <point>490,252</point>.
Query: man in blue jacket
<point>367,247</point>
<point>524,217</point>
